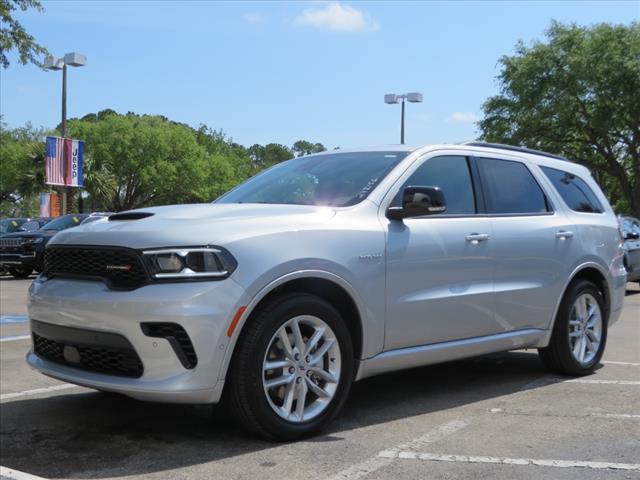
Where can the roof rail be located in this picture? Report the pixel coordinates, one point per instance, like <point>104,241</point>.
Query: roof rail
<point>516,149</point>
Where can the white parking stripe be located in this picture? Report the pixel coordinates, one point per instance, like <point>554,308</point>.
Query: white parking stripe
<point>594,415</point>
<point>438,457</point>
<point>631,364</point>
<point>373,464</point>
<point>12,474</point>
<point>37,391</point>
<point>13,338</point>
<point>604,382</point>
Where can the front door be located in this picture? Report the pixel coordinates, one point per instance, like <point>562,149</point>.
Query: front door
<point>439,269</point>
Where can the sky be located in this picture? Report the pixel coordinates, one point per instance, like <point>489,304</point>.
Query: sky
<point>283,71</point>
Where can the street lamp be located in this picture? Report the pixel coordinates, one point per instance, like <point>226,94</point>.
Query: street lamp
<point>392,98</point>
<point>72,59</point>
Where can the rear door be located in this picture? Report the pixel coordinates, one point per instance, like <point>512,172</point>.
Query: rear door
<point>532,241</point>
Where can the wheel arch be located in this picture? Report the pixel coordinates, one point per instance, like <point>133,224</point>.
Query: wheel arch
<point>326,285</point>
<point>592,272</point>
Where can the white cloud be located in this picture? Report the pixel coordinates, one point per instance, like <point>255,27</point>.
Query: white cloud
<point>255,17</point>
<point>337,17</point>
<point>463,117</point>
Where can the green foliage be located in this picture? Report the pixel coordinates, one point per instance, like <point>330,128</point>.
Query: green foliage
<point>135,160</point>
<point>577,94</point>
<point>303,147</point>
<point>270,154</point>
<point>13,35</point>
<point>21,174</point>
<point>145,159</point>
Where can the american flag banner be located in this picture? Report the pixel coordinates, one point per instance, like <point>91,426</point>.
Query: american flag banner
<point>63,161</point>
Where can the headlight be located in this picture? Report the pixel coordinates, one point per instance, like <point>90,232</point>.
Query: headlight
<point>30,241</point>
<point>189,263</point>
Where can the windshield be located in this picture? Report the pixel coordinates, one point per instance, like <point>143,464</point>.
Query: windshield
<point>63,222</point>
<point>337,179</point>
<point>10,225</point>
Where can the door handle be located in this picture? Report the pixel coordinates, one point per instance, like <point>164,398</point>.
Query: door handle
<point>476,238</point>
<point>564,234</point>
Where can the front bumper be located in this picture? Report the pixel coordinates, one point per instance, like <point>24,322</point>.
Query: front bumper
<point>19,260</point>
<point>203,309</point>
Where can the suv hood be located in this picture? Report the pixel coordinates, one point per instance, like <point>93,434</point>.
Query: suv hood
<point>35,234</point>
<point>192,225</point>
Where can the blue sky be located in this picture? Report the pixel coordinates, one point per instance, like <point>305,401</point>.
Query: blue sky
<point>280,71</point>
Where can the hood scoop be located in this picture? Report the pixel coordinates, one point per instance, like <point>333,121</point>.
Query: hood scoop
<point>130,216</point>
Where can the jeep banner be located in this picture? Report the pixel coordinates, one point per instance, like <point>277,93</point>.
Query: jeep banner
<point>63,162</point>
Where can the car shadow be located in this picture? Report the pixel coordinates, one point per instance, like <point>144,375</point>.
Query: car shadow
<point>97,435</point>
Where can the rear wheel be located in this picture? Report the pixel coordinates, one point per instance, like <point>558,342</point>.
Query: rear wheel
<point>292,369</point>
<point>579,333</point>
<point>21,272</point>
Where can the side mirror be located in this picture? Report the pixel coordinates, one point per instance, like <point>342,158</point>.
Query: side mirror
<point>418,202</point>
<point>631,236</point>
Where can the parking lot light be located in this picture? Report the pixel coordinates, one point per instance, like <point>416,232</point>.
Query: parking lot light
<point>393,98</point>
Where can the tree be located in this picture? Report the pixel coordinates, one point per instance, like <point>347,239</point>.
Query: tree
<point>144,160</point>
<point>577,94</point>
<point>268,155</point>
<point>304,147</point>
<point>14,36</point>
<point>22,154</point>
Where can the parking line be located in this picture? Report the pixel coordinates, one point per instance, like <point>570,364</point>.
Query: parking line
<point>438,457</point>
<point>13,338</point>
<point>36,391</point>
<point>604,382</point>
<point>373,464</point>
<point>625,416</point>
<point>12,474</point>
<point>631,364</point>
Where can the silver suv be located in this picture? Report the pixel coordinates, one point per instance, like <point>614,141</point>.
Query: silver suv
<point>328,269</point>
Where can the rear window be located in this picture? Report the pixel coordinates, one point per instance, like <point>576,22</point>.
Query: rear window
<point>574,191</point>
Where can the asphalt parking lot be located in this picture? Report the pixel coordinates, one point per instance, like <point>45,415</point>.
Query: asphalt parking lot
<point>499,416</point>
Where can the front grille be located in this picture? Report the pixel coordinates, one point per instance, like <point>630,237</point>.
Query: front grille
<point>178,339</point>
<point>10,242</point>
<point>116,357</point>
<point>119,267</point>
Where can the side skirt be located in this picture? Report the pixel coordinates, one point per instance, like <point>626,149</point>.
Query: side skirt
<point>421,355</point>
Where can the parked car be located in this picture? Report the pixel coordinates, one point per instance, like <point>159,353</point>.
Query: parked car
<point>34,224</point>
<point>22,252</point>
<point>11,225</point>
<point>332,268</point>
<point>631,240</point>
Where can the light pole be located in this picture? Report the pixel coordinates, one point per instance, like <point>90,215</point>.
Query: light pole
<point>413,97</point>
<point>73,59</point>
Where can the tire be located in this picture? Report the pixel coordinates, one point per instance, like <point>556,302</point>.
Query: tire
<point>21,272</point>
<point>255,405</point>
<point>559,355</point>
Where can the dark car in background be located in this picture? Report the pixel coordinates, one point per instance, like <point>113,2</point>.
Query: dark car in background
<point>631,237</point>
<point>22,252</point>
<point>12,225</point>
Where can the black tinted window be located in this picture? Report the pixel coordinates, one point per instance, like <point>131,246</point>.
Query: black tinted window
<point>574,191</point>
<point>511,188</point>
<point>452,175</point>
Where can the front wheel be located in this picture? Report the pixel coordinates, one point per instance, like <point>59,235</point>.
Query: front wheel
<point>20,272</point>
<point>292,369</point>
<point>579,333</point>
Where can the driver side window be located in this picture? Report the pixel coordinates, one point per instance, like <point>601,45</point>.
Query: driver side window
<point>453,175</point>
